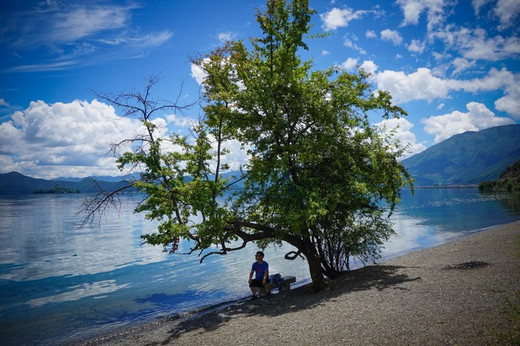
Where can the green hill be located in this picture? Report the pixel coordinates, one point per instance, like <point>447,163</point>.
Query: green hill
<point>467,158</point>
<point>508,181</point>
<point>16,183</point>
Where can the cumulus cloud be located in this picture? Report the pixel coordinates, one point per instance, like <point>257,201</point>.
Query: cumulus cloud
<point>369,66</point>
<point>3,103</point>
<point>496,80</point>
<point>236,156</point>
<point>462,64</point>
<point>63,139</point>
<point>403,134</point>
<point>392,36</point>
<point>412,10</point>
<point>416,46</point>
<point>179,121</point>
<point>370,34</point>
<point>337,18</point>
<point>198,73</point>
<point>423,85</point>
<point>476,45</point>
<point>349,64</point>
<point>478,4</point>
<point>507,11</point>
<point>419,85</point>
<point>478,117</point>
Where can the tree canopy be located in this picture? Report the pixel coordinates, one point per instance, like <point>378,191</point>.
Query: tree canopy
<point>319,176</point>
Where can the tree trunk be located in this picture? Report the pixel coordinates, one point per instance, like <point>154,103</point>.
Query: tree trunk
<point>313,258</point>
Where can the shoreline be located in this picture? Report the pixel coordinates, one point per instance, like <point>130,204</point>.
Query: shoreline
<point>453,292</point>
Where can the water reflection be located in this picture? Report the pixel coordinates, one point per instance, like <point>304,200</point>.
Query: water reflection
<point>58,280</point>
<point>96,290</point>
<point>435,216</point>
<point>45,240</point>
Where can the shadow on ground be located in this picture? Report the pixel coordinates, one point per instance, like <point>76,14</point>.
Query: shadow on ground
<point>378,277</point>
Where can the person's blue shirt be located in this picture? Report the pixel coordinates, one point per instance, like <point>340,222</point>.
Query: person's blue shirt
<point>260,269</point>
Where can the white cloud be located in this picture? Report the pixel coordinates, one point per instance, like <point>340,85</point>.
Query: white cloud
<point>476,45</point>
<point>336,18</point>
<point>349,64</point>
<point>478,4</point>
<point>63,139</point>
<point>403,134</point>
<point>179,121</point>
<point>350,41</point>
<point>325,52</point>
<point>392,36</point>
<point>369,66</point>
<point>63,23</point>
<point>236,156</point>
<point>416,46</point>
<point>496,80</point>
<point>423,85</point>
<point>420,85</point>
<point>226,36</point>
<point>462,64</point>
<point>51,66</point>
<point>149,40</point>
<point>75,34</point>
<point>370,34</point>
<point>3,103</point>
<point>412,10</point>
<point>478,117</point>
<point>507,11</point>
<point>198,73</point>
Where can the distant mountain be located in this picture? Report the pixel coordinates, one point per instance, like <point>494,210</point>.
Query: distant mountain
<point>467,158</point>
<point>107,178</point>
<point>16,183</point>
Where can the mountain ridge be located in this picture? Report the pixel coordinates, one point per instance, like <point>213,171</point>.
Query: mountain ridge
<point>468,158</point>
<point>17,183</point>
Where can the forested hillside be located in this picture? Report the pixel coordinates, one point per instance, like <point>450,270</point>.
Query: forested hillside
<point>467,158</point>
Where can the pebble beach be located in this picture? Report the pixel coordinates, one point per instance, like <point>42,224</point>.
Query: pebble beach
<point>454,293</point>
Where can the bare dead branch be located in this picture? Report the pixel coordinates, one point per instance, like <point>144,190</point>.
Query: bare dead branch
<point>98,204</point>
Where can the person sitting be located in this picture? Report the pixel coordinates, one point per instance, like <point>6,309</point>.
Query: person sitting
<point>260,269</point>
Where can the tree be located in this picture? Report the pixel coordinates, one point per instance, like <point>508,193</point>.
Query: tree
<point>319,176</point>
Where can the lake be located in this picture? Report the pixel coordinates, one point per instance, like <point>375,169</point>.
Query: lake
<point>60,284</point>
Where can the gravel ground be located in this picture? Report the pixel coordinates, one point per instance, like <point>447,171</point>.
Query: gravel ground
<point>451,294</point>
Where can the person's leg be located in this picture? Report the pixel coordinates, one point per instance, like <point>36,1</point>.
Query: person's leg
<point>267,287</point>
<point>254,285</point>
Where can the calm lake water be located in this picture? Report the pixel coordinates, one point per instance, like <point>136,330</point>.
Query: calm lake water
<point>60,284</point>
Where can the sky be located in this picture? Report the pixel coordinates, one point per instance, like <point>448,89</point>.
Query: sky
<point>452,65</point>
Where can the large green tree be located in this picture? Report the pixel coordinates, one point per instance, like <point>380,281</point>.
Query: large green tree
<point>319,176</point>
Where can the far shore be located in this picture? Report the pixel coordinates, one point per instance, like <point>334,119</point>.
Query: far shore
<point>453,293</point>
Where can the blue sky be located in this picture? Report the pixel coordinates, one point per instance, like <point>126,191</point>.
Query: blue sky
<point>452,65</point>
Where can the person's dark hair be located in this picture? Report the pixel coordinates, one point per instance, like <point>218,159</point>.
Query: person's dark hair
<point>260,253</point>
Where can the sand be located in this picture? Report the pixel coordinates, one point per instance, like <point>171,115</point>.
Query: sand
<point>454,293</point>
